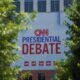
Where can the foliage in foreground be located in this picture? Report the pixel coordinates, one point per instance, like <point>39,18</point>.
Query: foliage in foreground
<point>70,68</point>
<point>11,23</point>
<point>26,75</point>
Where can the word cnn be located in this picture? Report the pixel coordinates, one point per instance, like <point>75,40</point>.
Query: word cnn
<point>41,32</point>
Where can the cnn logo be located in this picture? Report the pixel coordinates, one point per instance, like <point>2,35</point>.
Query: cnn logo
<point>41,32</point>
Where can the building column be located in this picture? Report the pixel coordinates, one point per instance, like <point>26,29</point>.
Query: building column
<point>61,5</point>
<point>22,8</point>
<point>61,10</point>
<point>48,75</point>
<point>48,4</point>
<point>34,75</point>
<point>35,5</point>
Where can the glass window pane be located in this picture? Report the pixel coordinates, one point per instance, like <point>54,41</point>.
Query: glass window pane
<point>67,3</point>
<point>17,4</point>
<point>41,5</point>
<point>28,5</point>
<point>41,76</point>
<point>54,5</point>
<point>28,0</point>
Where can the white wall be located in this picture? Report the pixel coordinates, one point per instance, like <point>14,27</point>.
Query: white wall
<point>43,21</point>
<point>53,21</point>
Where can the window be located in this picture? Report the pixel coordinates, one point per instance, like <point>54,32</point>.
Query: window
<point>41,5</point>
<point>28,5</point>
<point>17,3</point>
<point>67,3</point>
<point>41,76</point>
<point>54,5</point>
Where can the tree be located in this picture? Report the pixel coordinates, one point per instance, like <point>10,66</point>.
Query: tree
<point>11,23</point>
<point>70,68</point>
<point>26,75</point>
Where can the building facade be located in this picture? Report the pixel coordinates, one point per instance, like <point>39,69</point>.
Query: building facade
<point>43,44</point>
